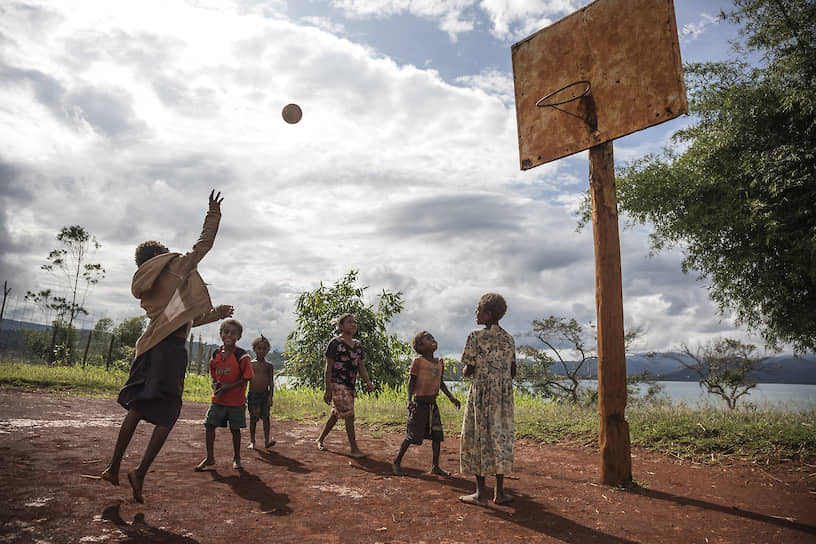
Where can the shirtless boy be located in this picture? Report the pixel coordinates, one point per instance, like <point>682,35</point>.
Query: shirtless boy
<point>261,391</point>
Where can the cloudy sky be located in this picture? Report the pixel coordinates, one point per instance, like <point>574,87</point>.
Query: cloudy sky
<point>122,116</point>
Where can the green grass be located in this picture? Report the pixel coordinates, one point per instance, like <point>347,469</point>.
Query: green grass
<point>710,434</point>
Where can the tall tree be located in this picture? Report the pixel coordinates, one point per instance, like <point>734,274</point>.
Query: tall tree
<point>317,312</point>
<point>79,275</point>
<point>722,367</point>
<point>736,189</point>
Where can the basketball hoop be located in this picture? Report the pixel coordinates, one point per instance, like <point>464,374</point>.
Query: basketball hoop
<point>543,102</point>
<point>569,93</point>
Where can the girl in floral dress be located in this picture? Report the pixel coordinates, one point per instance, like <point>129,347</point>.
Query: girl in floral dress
<point>488,433</point>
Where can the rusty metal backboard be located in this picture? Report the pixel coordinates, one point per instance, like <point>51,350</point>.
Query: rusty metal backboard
<point>627,51</point>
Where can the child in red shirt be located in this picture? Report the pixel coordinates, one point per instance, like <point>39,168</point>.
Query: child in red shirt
<point>231,370</point>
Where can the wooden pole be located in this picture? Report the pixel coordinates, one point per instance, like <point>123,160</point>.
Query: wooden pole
<point>87,345</point>
<point>616,461</point>
<point>110,352</point>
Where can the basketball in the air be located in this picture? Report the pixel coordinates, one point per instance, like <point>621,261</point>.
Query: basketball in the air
<point>292,113</point>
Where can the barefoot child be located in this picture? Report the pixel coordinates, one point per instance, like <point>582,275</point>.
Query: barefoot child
<point>231,369</point>
<point>487,428</point>
<point>423,415</point>
<point>261,391</point>
<point>344,360</point>
<point>175,299</point>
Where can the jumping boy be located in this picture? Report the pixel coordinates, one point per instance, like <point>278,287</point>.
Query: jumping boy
<point>175,299</point>
<point>231,369</point>
<point>261,391</point>
<point>424,420</point>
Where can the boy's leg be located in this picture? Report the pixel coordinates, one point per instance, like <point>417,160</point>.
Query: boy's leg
<point>480,497</point>
<point>396,465</point>
<point>252,424</point>
<point>267,442</point>
<point>111,472</point>
<point>352,438</point>
<point>436,447</point>
<point>326,430</point>
<point>210,439</point>
<point>137,476</point>
<point>499,496</point>
<point>236,448</point>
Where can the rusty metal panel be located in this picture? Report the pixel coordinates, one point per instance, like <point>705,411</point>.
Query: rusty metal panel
<point>627,51</point>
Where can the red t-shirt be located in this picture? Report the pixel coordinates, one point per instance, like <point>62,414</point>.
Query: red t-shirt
<point>227,370</point>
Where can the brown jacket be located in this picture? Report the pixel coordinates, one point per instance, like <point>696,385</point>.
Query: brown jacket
<point>172,291</point>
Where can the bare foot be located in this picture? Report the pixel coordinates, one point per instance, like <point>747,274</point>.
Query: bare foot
<point>503,499</point>
<point>236,464</point>
<point>473,499</point>
<point>207,462</point>
<point>270,443</point>
<point>357,454</point>
<point>251,446</point>
<point>136,484</point>
<point>320,445</point>
<point>397,469</point>
<point>436,469</point>
<point>110,476</point>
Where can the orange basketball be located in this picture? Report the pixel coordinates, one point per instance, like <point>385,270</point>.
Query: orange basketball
<point>292,113</point>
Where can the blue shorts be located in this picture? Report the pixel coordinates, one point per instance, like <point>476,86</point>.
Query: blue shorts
<point>218,416</point>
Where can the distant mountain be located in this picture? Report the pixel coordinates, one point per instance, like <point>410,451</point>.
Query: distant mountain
<point>778,369</point>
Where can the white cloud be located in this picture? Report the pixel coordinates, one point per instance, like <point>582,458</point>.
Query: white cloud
<point>123,117</point>
<point>692,31</point>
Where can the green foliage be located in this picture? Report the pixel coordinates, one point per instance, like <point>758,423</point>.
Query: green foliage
<point>317,312</point>
<point>37,342</point>
<point>723,366</point>
<point>129,330</point>
<point>737,188</point>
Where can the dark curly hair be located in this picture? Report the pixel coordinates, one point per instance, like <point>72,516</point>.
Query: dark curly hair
<point>233,323</point>
<point>261,340</point>
<point>147,250</point>
<point>417,338</point>
<point>495,304</point>
<point>342,319</point>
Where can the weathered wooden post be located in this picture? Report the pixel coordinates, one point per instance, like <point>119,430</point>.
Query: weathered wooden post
<point>616,461</point>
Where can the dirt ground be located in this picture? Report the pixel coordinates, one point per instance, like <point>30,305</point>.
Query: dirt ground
<point>50,445</point>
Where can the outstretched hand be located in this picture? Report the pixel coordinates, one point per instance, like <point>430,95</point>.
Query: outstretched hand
<point>216,199</point>
<point>224,311</point>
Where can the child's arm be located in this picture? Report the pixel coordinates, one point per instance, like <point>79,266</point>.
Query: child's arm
<point>444,389</point>
<point>271,379</point>
<point>411,384</point>
<point>219,312</point>
<point>327,396</point>
<point>364,376</point>
<point>207,238</point>
<point>228,387</point>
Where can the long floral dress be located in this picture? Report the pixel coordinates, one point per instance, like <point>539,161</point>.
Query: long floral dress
<point>488,436</point>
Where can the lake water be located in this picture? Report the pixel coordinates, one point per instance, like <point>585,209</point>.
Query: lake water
<point>783,395</point>
<point>780,395</point>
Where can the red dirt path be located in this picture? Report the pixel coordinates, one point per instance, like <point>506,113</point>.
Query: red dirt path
<point>295,493</point>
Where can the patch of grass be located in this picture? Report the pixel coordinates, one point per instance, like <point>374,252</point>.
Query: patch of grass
<point>710,434</point>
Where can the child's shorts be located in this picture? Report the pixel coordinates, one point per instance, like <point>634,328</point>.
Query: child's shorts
<point>424,422</point>
<point>218,415</point>
<point>342,401</point>
<point>260,401</point>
